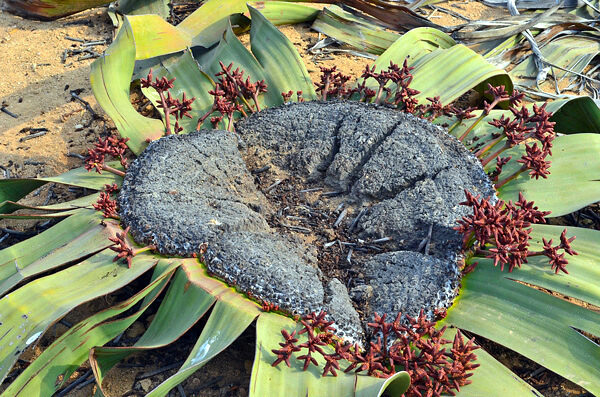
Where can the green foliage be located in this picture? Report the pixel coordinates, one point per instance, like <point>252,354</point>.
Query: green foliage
<point>68,352</point>
<point>491,304</point>
<point>533,323</point>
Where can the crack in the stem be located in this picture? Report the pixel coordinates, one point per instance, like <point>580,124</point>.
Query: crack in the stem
<point>355,175</point>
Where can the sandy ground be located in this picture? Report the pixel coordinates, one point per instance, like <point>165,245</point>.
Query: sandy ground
<point>37,85</point>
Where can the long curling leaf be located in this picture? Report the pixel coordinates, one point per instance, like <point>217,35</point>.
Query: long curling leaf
<point>573,181</point>
<point>183,305</point>
<point>14,189</point>
<point>281,62</point>
<point>111,74</point>
<point>356,31</point>
<point>64,355</point>
<point>49,251</point>
<point>530,322</point>
<point>225,325</point>
<point>48,10</point>
<point>27,312</point>
<point>283,12</point>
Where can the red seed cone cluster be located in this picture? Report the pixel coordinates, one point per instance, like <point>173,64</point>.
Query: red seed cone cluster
<point>231,95</point>
<point>122,247</point>
<point>110,146</point>
<point>332,84</point>
<point>287,96</point>
<point>523,128</point>
<point>435,365</point>
<point>105,203</point>
<point>169,105</point>
<point>501,231</point>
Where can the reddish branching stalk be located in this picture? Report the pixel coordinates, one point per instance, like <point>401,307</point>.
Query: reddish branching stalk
<point>333,84</point>
<point>501,231</point>
<point>287,96</point>
<point>417,348</point>
<point>524,128</point>
<point>111,146</point>
<point>403,97</point>
<point>170,106</point>
<point>124,250</point>
<point>500,163</point>
<point>382,78</point>
<point>122,247</point>
<point>499,94</point>
<point>557,259</point>
<point>232,94</point>
<point>435,109</point>
<point>106,204</point>
<point>461,115</point>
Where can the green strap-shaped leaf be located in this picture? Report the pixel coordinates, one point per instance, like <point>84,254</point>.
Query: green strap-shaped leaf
<point>395,385</point>
<point>230,316</point>
<point>140,37</point>
<point>583,280</point>
<point>414,45</point>
<point>81,202</point>
<point>463,70</point>
<point>59,210</point>
<point>282,64</point>
<point>225,324</point>
<point>199,21</point>
<point>279,381</point>
<point>184,304</point>
<point>43,376</point>
<point>575,115</point>
<point>27,312</point>
<point>19,256</point>
<point>198,276</point>
<point>533,323</point>
<point>429,48</point>
<point>573,182</point>
<point>284,13</point>
<point>15,189</point>
<point>354,30</point>
<point>39,215</point>
<point>88,179</point>
<point>27,262</point>
<point>140,7</point>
